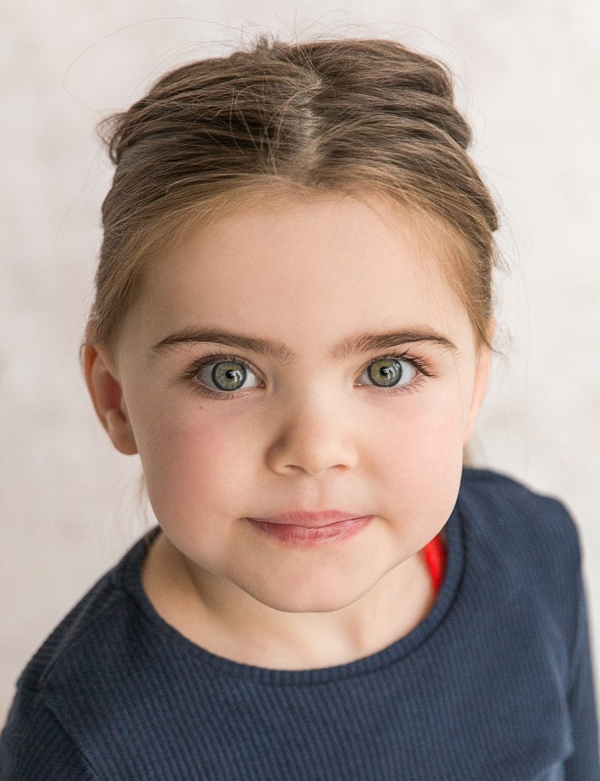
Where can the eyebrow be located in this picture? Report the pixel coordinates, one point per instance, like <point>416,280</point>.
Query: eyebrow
<point>356,344</point>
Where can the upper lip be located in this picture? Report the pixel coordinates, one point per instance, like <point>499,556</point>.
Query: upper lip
<point>310,519</point>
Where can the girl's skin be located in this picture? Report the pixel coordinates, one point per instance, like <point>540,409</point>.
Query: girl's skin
<point>311,434</point>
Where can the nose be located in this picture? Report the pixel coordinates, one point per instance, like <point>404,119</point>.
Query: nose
<point>313,437</point>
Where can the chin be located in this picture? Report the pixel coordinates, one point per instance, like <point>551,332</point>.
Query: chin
<point>313,598</point>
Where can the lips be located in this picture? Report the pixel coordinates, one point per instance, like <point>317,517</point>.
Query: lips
<point>310,520</point>
<point>311,537</point>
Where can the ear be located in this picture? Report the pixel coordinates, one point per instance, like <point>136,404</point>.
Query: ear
<point>483,373</point>
<point>107,398</point>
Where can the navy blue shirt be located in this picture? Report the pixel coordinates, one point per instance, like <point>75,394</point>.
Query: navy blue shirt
<point>494,684</point>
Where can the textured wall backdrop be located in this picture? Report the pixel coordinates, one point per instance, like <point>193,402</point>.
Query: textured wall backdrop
<point>528,76</point>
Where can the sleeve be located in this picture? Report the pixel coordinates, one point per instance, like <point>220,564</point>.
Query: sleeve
<point>35,747</point>
<point>583,764</point>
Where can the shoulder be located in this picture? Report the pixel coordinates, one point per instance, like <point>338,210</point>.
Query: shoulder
<point>503,506</point>
<point>75,674</point>
<point>42,712</point>
<point>74,635</point>
<point>523,538</point>
<point>30,725</point>
<point>87,646</point>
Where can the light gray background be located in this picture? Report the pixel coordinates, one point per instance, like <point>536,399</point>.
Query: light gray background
<point>527,75</point>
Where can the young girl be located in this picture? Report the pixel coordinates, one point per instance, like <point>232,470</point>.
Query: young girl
<point>293,328</point>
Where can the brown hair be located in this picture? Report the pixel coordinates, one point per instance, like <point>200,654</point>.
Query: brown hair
<point>350,115</point>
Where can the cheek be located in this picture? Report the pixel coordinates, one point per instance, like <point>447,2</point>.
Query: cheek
<point>423,444</point>
<point>428,426</point>
<point>421,463</point>
<point>192,469</point>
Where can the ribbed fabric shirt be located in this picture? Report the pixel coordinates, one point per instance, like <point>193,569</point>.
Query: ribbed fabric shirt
<point>494,684</point>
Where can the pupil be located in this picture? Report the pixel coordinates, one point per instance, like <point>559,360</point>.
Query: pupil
<point>390,374</point>
<point>224,377</point>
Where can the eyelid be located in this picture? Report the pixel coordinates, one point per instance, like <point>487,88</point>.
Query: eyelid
<point>391,353</point>
<point>422,366</point>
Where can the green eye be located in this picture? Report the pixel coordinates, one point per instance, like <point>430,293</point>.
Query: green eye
<point>229,373</point>
<point>387,371</point>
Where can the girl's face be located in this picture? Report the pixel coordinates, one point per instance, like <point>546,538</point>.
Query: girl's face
<point>308,425</point>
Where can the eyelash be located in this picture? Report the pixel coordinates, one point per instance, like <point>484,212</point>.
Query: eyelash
<point>189,375</point>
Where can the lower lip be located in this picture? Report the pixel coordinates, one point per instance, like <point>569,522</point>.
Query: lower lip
<point>308,538</point>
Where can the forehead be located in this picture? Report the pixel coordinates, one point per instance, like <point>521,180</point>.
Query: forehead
<point>327,264</point>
